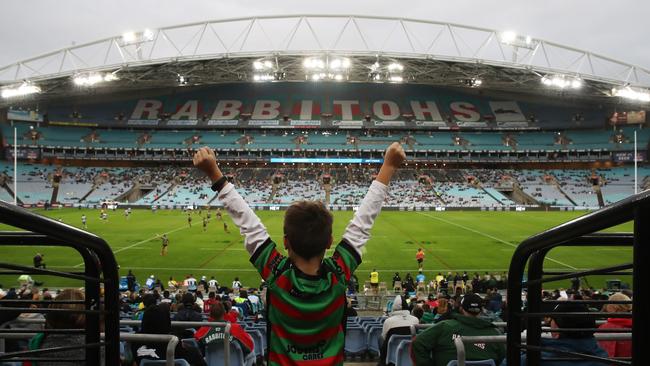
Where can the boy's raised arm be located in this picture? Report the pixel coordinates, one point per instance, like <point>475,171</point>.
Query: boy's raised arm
<point>357,232</point>
<point>249,224</point>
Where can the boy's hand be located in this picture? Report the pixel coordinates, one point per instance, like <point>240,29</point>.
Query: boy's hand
<point>394,156</point>
<point>206,161</point>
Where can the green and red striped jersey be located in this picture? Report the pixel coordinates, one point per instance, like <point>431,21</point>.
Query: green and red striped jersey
<point>306,314</point>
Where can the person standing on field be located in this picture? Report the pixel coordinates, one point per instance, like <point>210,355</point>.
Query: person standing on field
<point>419,257</point>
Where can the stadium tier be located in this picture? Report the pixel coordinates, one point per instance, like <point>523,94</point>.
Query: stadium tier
<point>62,137</point>
<point>415,188</point>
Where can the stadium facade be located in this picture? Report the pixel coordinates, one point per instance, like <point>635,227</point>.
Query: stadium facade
<point>517,122</point>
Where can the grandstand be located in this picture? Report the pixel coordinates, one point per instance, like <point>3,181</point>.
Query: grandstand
<point>497,125</point>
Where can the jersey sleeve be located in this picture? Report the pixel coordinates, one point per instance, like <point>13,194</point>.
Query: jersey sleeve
<point>346,258</point>
<point>267,260</point>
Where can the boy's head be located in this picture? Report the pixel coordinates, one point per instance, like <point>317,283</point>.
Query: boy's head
<point>308,229</point>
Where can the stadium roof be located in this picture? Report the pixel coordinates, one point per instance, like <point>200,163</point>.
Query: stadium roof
<point>363,48</point>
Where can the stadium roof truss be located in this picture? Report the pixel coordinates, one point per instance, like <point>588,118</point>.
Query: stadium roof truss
<point>221,51</point>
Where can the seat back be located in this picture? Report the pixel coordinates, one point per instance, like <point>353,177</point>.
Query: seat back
<point>215,355</point>
<point>355,340</point>
<point>177,362</point>
<point>403,354</point>
<point>372,338</point>
<point>393,343</point>
<point>473,363</point>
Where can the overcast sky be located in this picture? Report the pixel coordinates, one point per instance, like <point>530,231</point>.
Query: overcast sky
<point>619,29</point>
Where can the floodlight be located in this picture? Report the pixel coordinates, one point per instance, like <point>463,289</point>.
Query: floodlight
<point>257,65</point>
<point>396,79</point>
<point>128,37</point>
<point>315,77</point>
<point>508,36</point>
<point>90,79</point>
<point>148,35</point>
<point>576,84</point>
<point>22,90</point>
<point>338,77</point>
<point>314,63</point>
<point>395,66</point>
<point>339,63</point>
<point>632,94</point>
<point>375,66</point>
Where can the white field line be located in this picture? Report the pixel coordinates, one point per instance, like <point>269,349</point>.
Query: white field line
<point>489,236</point>
<point>142,242</point>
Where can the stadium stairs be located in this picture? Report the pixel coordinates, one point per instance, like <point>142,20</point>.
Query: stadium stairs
<point>519,196</point>
<point>557,185</point>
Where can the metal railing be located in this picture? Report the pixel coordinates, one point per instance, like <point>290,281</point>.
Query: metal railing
<point>99,268</point>
<point>171,340</point>
<point>581,232</point>
<point>459,342</point>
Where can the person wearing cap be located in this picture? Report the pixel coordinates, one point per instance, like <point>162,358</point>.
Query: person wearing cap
<point>580,341</point>
<point>435,346</point>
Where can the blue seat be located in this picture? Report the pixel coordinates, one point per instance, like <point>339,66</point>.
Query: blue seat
<point>214,355</point>
<point>403,354</point>
<point>355,340</point>
<point>372,340</point>
<point>474,363</point>
<point>393,343</point>
<point>258,341</point>
<point>191,341</point>
<point>177,362</point>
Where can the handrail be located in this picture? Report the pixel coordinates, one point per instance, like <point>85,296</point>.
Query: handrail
<point>100,266</point>
<point>459,343</point>
<point>175,324</point>
<point>171,340</point>
<point>582,231</point>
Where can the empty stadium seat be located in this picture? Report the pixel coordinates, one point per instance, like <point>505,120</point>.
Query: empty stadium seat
<point>177,362</point>
<point>355,340</point>
<point>403,354</point>
<point>214,355</point>
<point>393,344</point>
<point>473,363</point>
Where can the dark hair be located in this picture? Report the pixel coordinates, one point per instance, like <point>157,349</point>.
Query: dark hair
<point>308,228</point>
<point>573,321</point>
<point>156,320</point>
<point>418,312</point>
<point>217,311</point>
<point>188,299</point>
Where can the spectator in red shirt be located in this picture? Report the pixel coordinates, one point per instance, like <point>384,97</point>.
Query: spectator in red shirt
<point>231,314</point>
<point>617,348</point>
<point>212,299</point>
<point>208,335</point>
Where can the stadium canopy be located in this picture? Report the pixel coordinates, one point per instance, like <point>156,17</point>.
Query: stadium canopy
<point>324,48</point>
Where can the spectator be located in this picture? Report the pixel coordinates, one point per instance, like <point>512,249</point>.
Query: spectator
<point>231,314</point>
<point>443,311</point>
<point>427,315</point>
<point>236,285</point>
<point>130,281</point>
<point>208,335</point>
<point>207,304</point>
<point>349,310</point>
<point>399,322</point>
<point>189,311</point>
<point>617,348</point>
<point>38,261</point>
<point>58,320</point>
<point>396,278</point>
<point>156,320</point>
<point>435,346</point>
<point>166,299</point>
<point>578,341</point>
<point>305,281</point>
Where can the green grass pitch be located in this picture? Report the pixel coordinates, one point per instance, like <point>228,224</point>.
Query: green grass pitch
<point>453,241</point>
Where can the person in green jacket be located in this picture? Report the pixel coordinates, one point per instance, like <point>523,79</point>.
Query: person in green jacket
<point>435,346</point>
